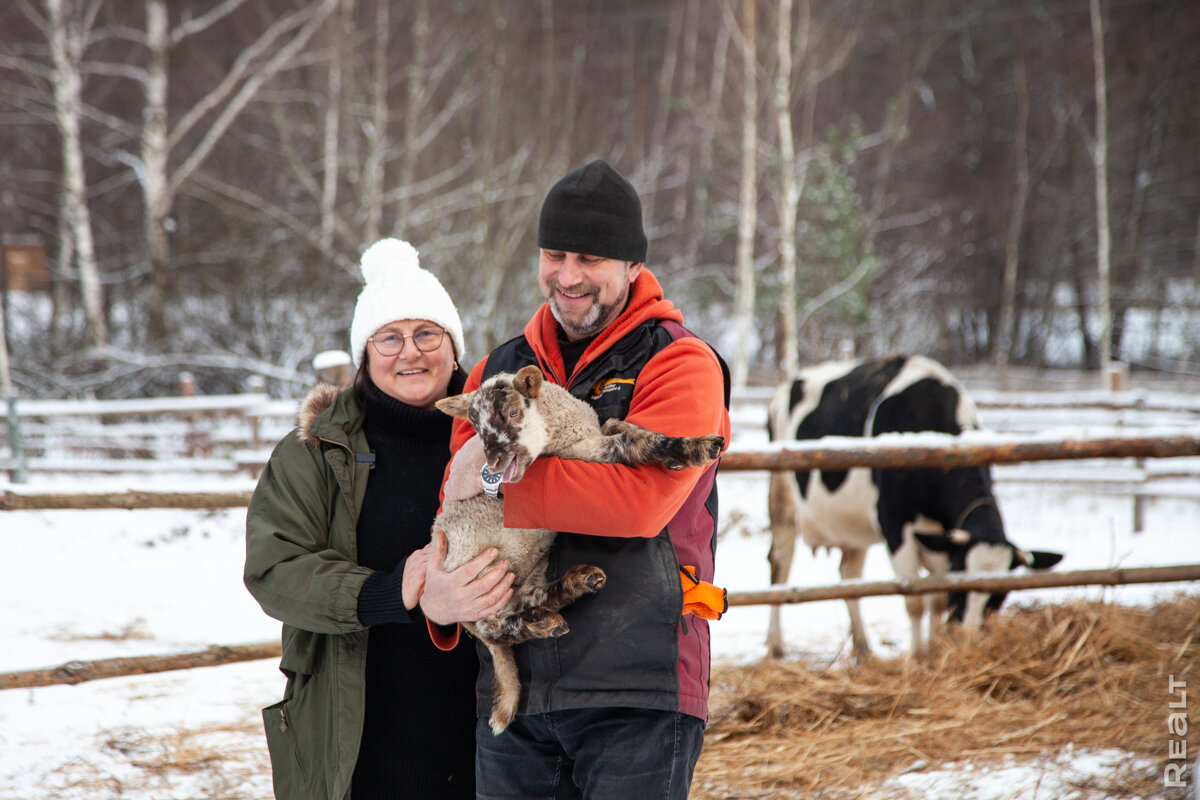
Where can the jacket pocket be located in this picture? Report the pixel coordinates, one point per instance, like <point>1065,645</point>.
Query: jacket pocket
<point>289,770</point>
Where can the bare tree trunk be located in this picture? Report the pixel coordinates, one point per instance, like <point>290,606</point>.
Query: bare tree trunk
<point>232,94</point>
<point>154,164</point>
<point>748,198</point>
<point>60,304</point>
<point>1003,342</point>
<point>341,34</point>
<point>375,168</point>
<point>1100,161</point>
<point>654,165</point>
<point>708,130</point>
<point>67,50</point>
<point>1079,278</point>
<point>414,106</point>
<point>789,190</point>
<point>1196,251</point>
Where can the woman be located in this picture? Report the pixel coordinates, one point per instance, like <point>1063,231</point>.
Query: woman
<point>337,548</point>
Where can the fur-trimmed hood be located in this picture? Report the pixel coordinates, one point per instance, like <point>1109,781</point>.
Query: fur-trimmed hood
<point>319,399</point>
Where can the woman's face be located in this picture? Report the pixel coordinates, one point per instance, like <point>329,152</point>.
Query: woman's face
<point>412,376</point>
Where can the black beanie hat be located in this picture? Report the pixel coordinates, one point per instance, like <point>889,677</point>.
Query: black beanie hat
<point>593,210</point>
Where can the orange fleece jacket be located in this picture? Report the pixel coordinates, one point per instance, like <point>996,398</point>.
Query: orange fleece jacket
<point>678,393</point>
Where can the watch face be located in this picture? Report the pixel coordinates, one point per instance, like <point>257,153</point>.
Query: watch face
<point>491,480</point>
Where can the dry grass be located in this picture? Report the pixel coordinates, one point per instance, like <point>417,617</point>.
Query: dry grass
<point>1086,674</point>
<point>1083,675</point>
<point>214,762</point>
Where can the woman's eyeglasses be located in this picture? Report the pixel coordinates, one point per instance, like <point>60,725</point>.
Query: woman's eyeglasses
<point>390,344</point>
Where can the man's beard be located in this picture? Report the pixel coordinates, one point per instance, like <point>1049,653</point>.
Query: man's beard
<point>594,319</point>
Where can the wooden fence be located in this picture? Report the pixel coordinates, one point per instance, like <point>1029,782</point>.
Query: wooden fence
<point>836,453</point>
<point>74,672</point>
<point>893,450</point>
<point>230,435</point>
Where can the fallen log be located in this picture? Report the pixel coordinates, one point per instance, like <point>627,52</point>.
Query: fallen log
<point>11,501</point>
<point>1001,582</point>
<point>943,451</point>
<point>74,672</point>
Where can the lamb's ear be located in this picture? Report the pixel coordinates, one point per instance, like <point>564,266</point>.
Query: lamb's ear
<point>528,381</point>
<point>456,406</point>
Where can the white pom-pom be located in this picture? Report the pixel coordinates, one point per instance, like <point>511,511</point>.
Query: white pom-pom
<point>388,257</point>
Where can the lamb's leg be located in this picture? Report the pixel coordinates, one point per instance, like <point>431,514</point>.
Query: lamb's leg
<point>579,580</point>
<point>537,618</point>
<point>506,686</point>
<point>532,623</point>
<point>626,443</point>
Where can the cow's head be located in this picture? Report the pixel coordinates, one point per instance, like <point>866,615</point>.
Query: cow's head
<point>971,554</point>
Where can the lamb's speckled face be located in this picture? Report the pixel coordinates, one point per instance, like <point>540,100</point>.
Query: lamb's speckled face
<point>499,414</point>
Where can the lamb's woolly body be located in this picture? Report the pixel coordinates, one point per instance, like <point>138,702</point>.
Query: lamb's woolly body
<point>518,418</point>
<point>483,517</point>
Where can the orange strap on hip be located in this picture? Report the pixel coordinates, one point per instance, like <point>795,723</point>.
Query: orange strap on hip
<point>701,597</point>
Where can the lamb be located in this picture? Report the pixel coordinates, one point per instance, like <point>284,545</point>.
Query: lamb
<point>518,418</point>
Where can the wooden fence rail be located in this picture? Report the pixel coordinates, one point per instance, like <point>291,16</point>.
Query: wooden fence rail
<point>79,671</point>
<point>1000,582</point>
<point>890,450</point>
<point>75,672</point>
<point>972,448</point>
<point>12,501</point>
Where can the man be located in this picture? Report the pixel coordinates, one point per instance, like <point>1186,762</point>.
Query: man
<point>615,708</point>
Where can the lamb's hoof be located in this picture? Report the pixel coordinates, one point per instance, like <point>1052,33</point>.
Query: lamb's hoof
<point>595,580</point>
<point>715,445</point>
<point>545,624</point>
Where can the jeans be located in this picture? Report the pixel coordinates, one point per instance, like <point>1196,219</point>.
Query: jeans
<point>590,753</point>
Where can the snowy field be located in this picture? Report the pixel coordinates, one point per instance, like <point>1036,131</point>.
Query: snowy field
<point>86,585</point>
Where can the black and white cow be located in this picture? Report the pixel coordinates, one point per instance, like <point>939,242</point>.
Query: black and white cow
<point>932,519</point>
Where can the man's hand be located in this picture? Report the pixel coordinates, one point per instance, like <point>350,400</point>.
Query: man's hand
<point>465,594</point>
<point>463,480</point>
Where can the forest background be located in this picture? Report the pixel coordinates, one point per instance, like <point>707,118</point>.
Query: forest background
<point>983,181</point>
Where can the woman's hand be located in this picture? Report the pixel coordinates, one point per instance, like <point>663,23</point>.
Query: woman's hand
<point>413,584</point>
<point>471,592</point>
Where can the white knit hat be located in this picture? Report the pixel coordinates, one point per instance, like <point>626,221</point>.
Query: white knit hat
<point>397,288</point>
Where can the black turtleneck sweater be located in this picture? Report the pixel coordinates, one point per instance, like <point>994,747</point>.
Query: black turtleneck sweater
<point>419,732</point>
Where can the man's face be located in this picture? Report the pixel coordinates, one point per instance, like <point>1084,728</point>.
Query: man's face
<point>585,292</point>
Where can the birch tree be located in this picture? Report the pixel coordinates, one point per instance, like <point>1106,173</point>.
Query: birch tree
<point>1100,164</point>
<point>790,186</point>
<point>68,28</point>
<point>1003,340</point>
<point>209,119</point>
<point>743,310</point>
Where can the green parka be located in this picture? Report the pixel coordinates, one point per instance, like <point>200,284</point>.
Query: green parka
<point>301,566</point>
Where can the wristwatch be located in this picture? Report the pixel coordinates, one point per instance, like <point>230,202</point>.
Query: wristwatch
<point>491,481</point>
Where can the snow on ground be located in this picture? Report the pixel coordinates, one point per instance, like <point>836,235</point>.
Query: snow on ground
<point>97,584</point>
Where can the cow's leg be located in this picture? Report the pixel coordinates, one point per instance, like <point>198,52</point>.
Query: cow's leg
<point>935,606</point>
<point>937,565</point>
<point>983,557</point>
<point>906,560</point>
<point>781,509</point>
<point>851,568</point>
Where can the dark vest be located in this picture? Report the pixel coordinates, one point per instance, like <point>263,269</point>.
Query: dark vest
<point>622,648</point>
